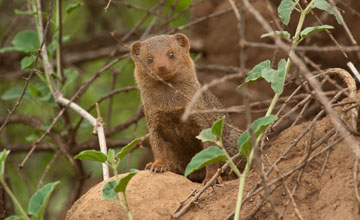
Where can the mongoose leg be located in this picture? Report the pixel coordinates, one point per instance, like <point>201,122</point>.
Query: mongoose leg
<point>158,147</point>
<point>210,172</point>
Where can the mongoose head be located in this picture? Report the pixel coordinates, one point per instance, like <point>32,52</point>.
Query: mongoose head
<point>162,57</point>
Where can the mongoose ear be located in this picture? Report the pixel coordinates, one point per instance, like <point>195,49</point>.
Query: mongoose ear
<point>183,41</point>
<point>135,48</point>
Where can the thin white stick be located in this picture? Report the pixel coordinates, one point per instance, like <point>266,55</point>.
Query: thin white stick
<point>103,148</point>
<point>354,70</point>
<point>97,124</point>
<point>64,101</point>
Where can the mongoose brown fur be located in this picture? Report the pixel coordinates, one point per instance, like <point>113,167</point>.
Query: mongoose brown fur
<point>166,76</point>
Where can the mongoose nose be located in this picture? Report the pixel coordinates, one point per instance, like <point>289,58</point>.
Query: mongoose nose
<point>162,68</point>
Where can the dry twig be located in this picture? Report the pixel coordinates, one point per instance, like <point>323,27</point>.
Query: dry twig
<point>356,182</point>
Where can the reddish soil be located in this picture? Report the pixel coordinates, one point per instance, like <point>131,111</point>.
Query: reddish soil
<point>327,196</point>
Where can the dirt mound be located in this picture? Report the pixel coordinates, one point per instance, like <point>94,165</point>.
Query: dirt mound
<point>153,196</point>
<point>320,172</point>
<point>150,196</point>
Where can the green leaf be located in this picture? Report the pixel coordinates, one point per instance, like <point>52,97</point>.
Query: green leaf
<point>91,155</point>
<point>276,77</point>
<point>108,191</point>
<point>85,124</point>
<point>205,157</point>
<point>244,143</point>
<point>281,34</point>
<point>27,63</point>
<point>206,136</point>
<point>55,76</point>
<point>121,186</point>
<point>183,4</point>
<point>14,93</point>
<point>111,156</point>
<point>32,137</point>
<point>3,156</point>
<point>71,75</point>
<point>71,7</point>
<point>26,41</point>
<point>28,12</point>
<point>258,126</point>
<point>45,125</point>
<point>268,74</point>
<point>127,148</point>
<point>13,217</point>
<point>34,90</point>
<point>218,127</point>
<point>256,72</point>
<point>309,30</point>
<point>52,45</point>
<point>7,49</point>
<point>63,133</point>
<point>325,6</point>
<point>278,85</point>
<point>65,38</point>
<point>41,76</point>
<point>285,9</point>
<point>40,199</point>
<point>45,92</point>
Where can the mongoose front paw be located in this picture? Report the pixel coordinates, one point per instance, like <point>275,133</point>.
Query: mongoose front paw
<point>157,166</point>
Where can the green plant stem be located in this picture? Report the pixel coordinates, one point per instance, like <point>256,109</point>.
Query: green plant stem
<point>126,206</point>
<point>13,198</point>
<point>36,4</point>
<point>33,4</point>
<point>296,38</point>
<point>296,41</point>
<point>115,174</point>
<point>273,103</point>
<point>114,167</point>
<point>58,24</point>
<point>242,185</point>
<point>251,156</point>
<point>298,28</point>
<point>229,160</point>
<point>122,205</point>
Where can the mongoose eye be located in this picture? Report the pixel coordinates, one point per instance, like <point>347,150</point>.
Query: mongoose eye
<point>171,55</point>
<point>150,59</point>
